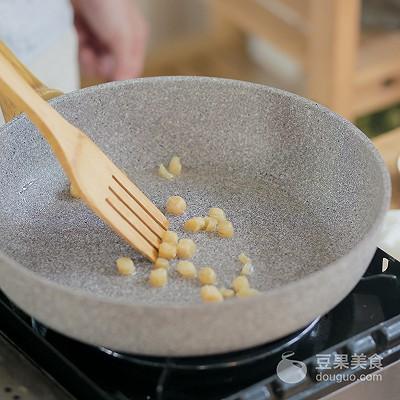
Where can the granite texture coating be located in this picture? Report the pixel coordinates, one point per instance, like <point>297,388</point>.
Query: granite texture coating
<point>305,190</point>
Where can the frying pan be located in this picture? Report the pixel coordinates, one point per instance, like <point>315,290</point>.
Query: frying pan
<point>305,189</point>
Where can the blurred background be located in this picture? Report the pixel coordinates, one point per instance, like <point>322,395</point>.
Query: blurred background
<point>342,53</point>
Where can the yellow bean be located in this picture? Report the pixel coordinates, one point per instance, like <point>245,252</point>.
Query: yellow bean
<point>225,229</point>
<point>170,237</point>
<point>244,259</point>
<point>207,276</point>
<point>186,269</point>
<point>125,266</point>
<point>186,248</point>
<point>240,283</point>
<point>210,294</point>
<point>158,277</point>
<point>175,166</point>
<point>163,172</point>
<point>176,205</point>
<point>167,250</point>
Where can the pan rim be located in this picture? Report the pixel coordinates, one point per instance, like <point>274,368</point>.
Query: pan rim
<point>93,297</point>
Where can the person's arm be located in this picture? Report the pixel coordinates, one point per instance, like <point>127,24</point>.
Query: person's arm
<point>112,38</point>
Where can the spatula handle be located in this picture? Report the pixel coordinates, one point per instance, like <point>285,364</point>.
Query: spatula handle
<point>46,119</point>
<point>8,108</point>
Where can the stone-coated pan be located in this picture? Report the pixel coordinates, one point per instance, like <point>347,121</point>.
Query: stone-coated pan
<point>305,189</point>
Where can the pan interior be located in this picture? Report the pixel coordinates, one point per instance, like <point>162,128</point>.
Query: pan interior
<point>300,186</point>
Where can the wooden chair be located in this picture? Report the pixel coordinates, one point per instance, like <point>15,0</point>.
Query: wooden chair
<point>350,71</point>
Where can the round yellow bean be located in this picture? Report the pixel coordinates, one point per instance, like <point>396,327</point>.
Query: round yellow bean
<point>158,277</point>
<point>167,250</point>
<point>207,276</point>
<point>225,229</point>
<point>125,266</point>
<point>186,248</point>
<point>176,205</point>
<point>240,283</point>
<point>186,269</point>
<point>170,237</point>
<point>210,294</point>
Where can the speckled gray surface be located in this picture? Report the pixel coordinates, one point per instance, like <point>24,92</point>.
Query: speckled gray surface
<point>303,187</point>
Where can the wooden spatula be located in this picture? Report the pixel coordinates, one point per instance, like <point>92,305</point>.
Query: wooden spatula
<point>103,186</point>
<point>7,107</point>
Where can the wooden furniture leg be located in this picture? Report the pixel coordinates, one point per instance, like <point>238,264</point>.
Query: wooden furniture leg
<point>332,53</point>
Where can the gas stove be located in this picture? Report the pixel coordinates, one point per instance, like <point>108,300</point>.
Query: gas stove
<point>352,352</point>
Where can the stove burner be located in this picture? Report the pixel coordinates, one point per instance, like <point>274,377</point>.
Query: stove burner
<point>218,361</point>
<point>369,315</point>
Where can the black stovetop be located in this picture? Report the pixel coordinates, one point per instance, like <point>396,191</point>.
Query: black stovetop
<point>367,321</point>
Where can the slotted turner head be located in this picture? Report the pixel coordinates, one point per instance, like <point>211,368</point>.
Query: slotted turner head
<point>105,189</point>
<point>116,200</point>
